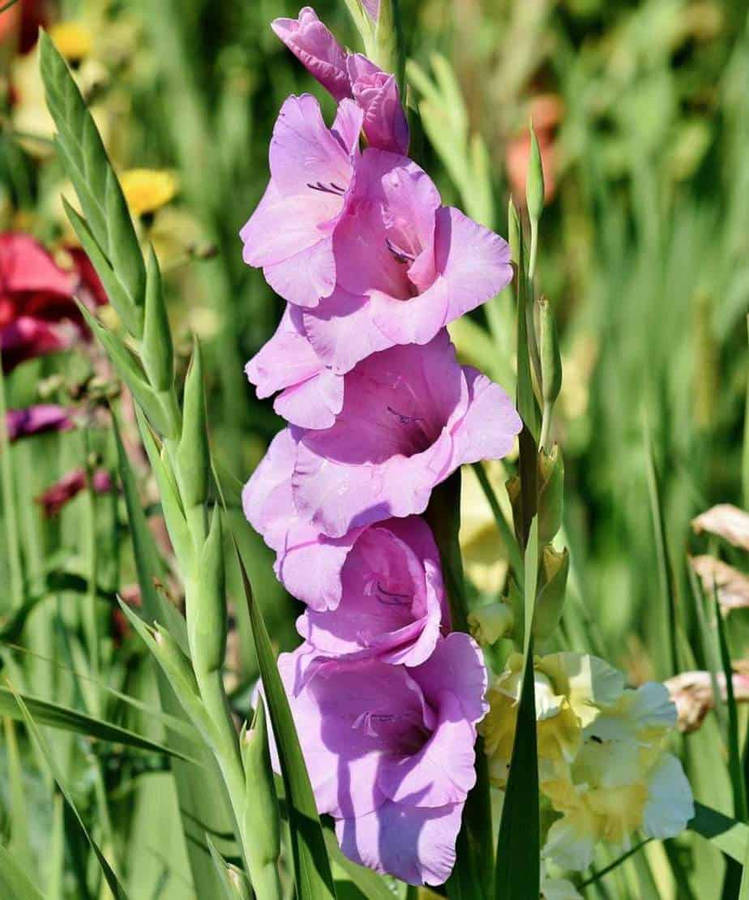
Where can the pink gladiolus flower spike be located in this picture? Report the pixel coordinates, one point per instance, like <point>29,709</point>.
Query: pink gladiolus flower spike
<point>290,234</point>
<point>411,415</point>
<point>390,751</point>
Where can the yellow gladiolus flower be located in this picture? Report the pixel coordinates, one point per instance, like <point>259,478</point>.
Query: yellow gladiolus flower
<point>73,39</point>
<point>147,190</point>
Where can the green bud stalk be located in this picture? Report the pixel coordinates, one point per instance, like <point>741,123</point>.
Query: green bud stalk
<point>491,622</point>
<point>534,198</point>
<point>192,457</point>
<point>551,366</point>
<point>206,612</point>
<point>550,486</point>
<point>261,814</point>
<point>156,347</point>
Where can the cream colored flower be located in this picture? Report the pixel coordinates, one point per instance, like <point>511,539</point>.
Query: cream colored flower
<point>621,781</point>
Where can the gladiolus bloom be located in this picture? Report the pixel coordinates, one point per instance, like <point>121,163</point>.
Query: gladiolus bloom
<point>390,751</point>
<point>290,234</point>
<point>69,486</point>
<point>411,415</point>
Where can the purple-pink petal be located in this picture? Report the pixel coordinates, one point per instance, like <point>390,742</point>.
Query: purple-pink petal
<point>290,234</point>
<point>411,415</point>
<point>376,93</point>
<point>389,747</point>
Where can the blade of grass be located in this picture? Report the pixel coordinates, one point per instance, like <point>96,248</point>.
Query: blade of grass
<point>313,877</point>
<point>665,573</point>
<point>110,877</point>
<point>67,719</point>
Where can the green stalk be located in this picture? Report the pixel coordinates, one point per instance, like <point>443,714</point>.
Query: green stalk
<point>9,504</point>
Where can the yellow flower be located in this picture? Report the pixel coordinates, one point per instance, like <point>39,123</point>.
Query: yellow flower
<point>484,556</point>
<point>147,190</point>
<point>74,40</point>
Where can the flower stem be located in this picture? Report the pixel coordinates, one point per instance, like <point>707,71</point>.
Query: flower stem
<point>10,512</point>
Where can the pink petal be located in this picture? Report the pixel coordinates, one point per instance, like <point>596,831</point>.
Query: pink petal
<point>414,844</point>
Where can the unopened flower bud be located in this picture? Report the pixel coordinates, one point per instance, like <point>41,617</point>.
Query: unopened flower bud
<point>193,462</point>
<point>534,181</point>
<point>206,609</point>
<point>551,360</point>
<point>489,623</point>
<point>553,572</point>
<point>550,493</point>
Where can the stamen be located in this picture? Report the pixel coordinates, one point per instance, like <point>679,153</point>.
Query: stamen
<point>390,598</point>
<point>404,419</point>
<point>400,255</point>
<point>331,188</point>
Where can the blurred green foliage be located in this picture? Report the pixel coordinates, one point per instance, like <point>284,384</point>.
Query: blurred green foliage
<point>642,112</point>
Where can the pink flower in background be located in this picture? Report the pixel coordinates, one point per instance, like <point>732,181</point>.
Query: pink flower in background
<point>349,75</point>
<point>311,393</point>
<point>411,415</point>
<point>37,419</point>
<point>290,234</point>
<point>406,265</point>
<point>390,751</point>
<point>69,486</point>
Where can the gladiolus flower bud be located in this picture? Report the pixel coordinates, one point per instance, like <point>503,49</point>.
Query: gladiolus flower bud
<point>551,360</point>
<point>552,585</point>
<point>489,623</point>
<point>534,181</point>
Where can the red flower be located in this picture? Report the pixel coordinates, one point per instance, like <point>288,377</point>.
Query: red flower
<point>38,312</point>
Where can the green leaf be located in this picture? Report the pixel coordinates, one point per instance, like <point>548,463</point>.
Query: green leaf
<point>147,561</point>
<point>200,791</point>
<point>728,835</point>
<point>86,163</point>
<point>67,719</point>
<point>109,875</point>
<point>14,882</point>
<point>518,846</point>
<point>311,864</point>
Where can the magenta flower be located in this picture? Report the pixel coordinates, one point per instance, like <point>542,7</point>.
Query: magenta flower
<point>390,751</point>
<point>37,312</point>
<point>69,486</point>
<point>347,75</point>
<point>411,415</point>
<point>37,419</point>
<point>406,265</point>
<point>311,393</point>
<point>290,234</point>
